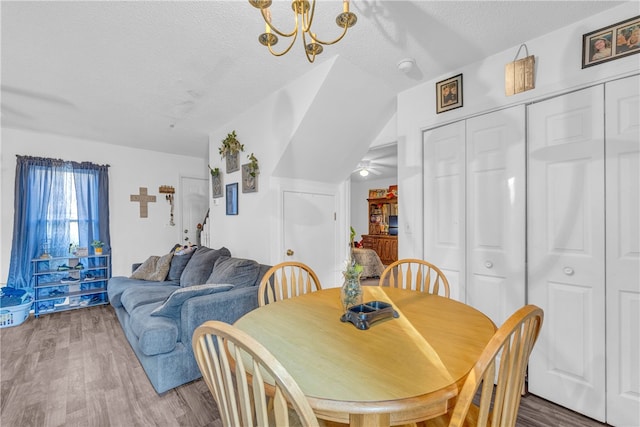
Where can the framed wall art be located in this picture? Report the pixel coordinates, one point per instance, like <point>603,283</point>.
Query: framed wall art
<point>249,179</point>
<point>449,94</point>
<point>232,198</point>
<point>612,42</point>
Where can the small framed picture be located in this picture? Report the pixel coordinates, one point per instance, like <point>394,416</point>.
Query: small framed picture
<point>449,94</point>
<point>612,42</point>
<point>232,198</point>
<point>249,179</point>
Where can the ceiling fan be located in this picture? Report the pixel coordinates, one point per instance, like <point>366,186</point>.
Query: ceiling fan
<point>366,167</point>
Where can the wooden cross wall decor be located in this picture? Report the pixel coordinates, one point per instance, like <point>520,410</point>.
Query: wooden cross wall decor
<point>144,200</point>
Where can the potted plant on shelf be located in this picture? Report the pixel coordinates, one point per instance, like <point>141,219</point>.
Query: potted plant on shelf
<point>229,150</point>
<point>97,246</point>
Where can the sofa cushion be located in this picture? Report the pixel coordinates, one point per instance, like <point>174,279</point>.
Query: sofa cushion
<point>178,263</point>
<point>173,304</point>
<point>238,272</point>
<point>118,284</point>
<point>155,268</point>
<point>138,295</point>
<point>199,267</point>
<point>156,334</point>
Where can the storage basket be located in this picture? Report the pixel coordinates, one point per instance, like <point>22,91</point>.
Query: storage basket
<point>13,315</point>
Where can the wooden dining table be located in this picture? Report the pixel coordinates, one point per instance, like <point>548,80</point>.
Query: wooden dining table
<point>400,370</point>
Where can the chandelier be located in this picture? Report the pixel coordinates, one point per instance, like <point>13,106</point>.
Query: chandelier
<point>303,14</point>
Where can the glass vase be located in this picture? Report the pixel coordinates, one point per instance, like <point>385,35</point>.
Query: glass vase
<point>351,292</point>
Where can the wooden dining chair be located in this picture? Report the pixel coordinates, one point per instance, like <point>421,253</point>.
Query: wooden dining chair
<point>243,376</point>
<point>404,273</point>
<point>286,280</point>
<point>511,344</point>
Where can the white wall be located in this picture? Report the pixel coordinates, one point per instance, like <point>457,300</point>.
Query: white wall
<point>265,130</point>
<point>133,239</point>
<point>359,205</point>
<point>558,69</point>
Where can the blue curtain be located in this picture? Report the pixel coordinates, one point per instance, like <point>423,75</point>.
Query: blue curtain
<point>42,210</point>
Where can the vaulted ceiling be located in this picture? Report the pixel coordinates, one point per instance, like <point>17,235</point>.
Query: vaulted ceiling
<point>162,75</point>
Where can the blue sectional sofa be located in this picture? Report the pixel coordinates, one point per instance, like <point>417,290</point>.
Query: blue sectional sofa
<point>158,316</point>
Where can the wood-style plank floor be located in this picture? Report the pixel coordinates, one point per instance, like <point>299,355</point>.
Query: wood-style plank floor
<point>76,368</point>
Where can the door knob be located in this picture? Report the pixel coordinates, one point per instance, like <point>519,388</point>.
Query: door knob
<point>186,231</point>
<point>568,271</point>
<point>289,252</point>
<point>488,264</point>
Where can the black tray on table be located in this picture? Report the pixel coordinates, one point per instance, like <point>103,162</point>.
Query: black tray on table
<point>363,315</point>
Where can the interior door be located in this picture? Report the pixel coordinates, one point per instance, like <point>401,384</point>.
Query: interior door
<point>566,249</point>
<point>495,211</point>
<point>444,203</point>
<point>623,251</point>
<point>310,233</point>
<point>195,204</point>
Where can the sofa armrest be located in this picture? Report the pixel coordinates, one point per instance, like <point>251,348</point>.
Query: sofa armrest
<point>226,306</point>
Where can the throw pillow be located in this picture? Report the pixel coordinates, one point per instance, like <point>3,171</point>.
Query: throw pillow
<point>199,267</point>
<point>155,268</point>
<point>239,272</point>
<point>173,304</point>
<point>178,263</point>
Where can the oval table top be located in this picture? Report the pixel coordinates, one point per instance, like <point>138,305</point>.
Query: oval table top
<point>400,370</point>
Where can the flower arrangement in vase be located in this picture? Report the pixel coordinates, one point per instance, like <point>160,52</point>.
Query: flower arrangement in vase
<point>351,292</point>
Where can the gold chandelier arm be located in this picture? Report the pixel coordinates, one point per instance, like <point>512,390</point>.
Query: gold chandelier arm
<point>317,40</point>
<point>277,31</point>
<point>274,53</point>
<point>311,56</point>
<point>307,18</point>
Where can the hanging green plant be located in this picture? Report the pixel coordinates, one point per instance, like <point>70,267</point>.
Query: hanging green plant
<point>230,145</point>
<point>254,169</point>
<point>214,171</point>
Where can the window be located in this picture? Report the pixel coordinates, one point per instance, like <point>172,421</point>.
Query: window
<point>57,202</point>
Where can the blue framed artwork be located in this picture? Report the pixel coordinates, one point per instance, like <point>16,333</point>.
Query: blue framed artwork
<point>232,198</point>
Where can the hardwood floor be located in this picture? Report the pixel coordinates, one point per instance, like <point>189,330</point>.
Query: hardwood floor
<point>76,368</point>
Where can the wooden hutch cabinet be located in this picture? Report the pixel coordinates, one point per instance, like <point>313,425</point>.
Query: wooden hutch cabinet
<point>382,237</point>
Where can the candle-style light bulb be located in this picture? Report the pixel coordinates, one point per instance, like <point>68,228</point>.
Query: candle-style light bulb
<point>267,27</point>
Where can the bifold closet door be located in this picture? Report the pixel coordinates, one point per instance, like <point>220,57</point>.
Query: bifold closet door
<point>623,250</point>
<point>566,249</point>
<point>474,209</point>
<point>495,211</point>
<point>444,204</point>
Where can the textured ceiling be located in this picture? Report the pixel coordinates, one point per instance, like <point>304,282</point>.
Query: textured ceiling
<point>161,75</point>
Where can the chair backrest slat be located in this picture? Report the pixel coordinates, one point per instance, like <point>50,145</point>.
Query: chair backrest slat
<point>286,280</point>
<point>512,344</point>
<point>243,376</point>
<point>428,277</point>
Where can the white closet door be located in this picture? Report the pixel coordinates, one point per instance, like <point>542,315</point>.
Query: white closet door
<point>495,262</point>
<point>444,204</point>
<point>623,251</point>
<point>566,249</point>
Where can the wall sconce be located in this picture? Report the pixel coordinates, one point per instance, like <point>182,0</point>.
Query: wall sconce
<point>169,191</point>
